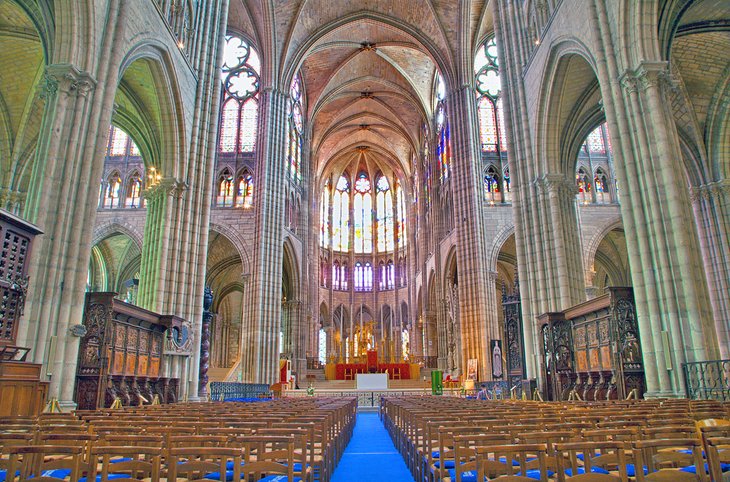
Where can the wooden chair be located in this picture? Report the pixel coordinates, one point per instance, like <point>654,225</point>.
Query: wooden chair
<point>204,463</point>
<point>303,451</point>
<point>591,462</point>
<point>268,455</point>
<point>465,453</point>
<point>82,440</point>
<point>133,463</point>
<point>497,462</point>
<point>142,440</point>
<point>664,458</point>
<point>718,456</point>
<point>45,463</point>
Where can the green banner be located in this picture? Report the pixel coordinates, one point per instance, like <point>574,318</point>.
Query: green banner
<point>437,382</point>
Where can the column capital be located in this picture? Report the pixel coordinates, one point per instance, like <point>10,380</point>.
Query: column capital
<point>167,186</point>
<point>709,191</point>
<point>555,185</point>
<point>646,75</point>
<point>66,78</point>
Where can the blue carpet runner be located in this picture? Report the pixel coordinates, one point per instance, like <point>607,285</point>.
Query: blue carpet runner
<point>371,455</point>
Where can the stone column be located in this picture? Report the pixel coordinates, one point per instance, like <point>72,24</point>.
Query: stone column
<point>711,205</point>
<point>470,250</point>
<point>68,160</point>
<point>670,285</point>
<point>261,351</point>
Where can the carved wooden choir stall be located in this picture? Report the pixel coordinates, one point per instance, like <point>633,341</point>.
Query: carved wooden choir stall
<point>592,351</point>
<point>21,390</point>
<point>122,354</point>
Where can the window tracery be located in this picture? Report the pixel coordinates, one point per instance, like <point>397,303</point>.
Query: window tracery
<point>294,108</point>
<point>401,202</point>
<point>443,144</point>
<point>362,209</point>
<point>324,220</point>
<point>489,101</point>
<point>341,216</point>
<point>241,83</point>
<point>385,216</point>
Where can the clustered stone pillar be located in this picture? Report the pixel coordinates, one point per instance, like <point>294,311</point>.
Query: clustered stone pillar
<point>261,331</point>
<point>76,117</point>
<point>470,250</point>
<point>711,204</point>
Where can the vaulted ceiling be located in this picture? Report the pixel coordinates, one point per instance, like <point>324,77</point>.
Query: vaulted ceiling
<point>368,70</point>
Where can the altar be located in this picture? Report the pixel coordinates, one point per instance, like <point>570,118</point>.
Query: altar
<point>349,370</point>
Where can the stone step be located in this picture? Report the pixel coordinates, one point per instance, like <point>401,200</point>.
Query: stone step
<point>217,374</point>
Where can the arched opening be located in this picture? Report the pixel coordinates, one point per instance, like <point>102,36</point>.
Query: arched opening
<point>115,266</point>
<point>224,270</point>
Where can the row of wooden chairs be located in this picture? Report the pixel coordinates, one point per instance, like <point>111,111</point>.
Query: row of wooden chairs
<point>427,432</point>
<point>293,439</point>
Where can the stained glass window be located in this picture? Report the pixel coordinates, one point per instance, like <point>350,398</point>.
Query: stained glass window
<point>600,182</point>
<point>443,144</point>
<point>491,183</point>
<point>402,215</point>
<point>244,191</point>
<point>119,142</point>
<point>489,98</point>
<point>295,129</point>
<point>389,275</point>
<point>367,277</point>
<point>134,150</point>
<point>113,185</point>
<point>241,83</point>
<point>344,272</point>
<point>386,241</point>
<point>359,276</point>
<point>336,275</point>
<point>249,125</point>
<point>341,216</point>
<point>487,124</point>
<point>583,181</point>
<point>362,209</point>
<point>595,141</point>
<point>229,125</point>
<point>324,221</point>
<point>134,191</point>
<point>225,189</point>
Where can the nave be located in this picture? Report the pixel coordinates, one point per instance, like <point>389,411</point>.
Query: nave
<point>412,438</point>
